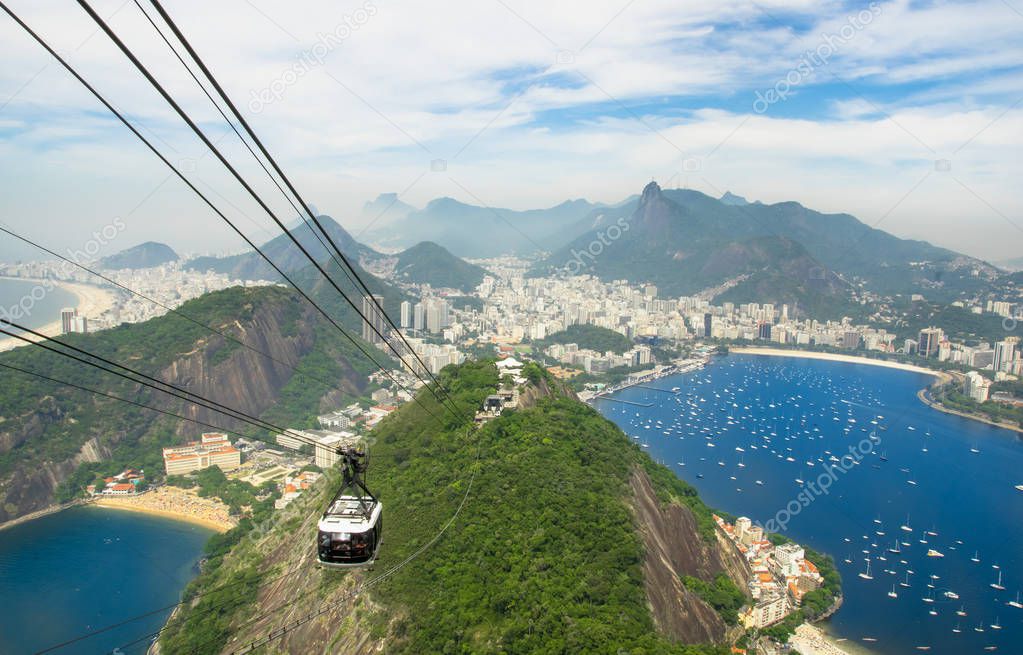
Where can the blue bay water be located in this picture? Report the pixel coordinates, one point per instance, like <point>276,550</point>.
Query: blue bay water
<point>72,572</point>
<point>818,410</point>
<point>33,304</point>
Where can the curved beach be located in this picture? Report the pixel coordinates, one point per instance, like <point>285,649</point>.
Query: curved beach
<point>174,503</point>
<point>91,302</point>
<point>835,357</point>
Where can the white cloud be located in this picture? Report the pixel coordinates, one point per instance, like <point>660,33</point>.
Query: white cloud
<point>418,81</point>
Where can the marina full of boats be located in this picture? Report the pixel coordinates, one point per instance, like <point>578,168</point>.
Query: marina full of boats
<point>917,507</point>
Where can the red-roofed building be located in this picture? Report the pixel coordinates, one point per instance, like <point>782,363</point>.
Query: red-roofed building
<point>214,449</point>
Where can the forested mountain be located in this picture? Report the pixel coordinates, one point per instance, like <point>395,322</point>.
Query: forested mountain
<point>432,264</point>
<point>686,242</point>
<point>144,255</point>
<point>284,253</point>
<point>568,539</point>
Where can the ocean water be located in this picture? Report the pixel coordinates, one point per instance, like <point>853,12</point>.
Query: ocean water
<point>33,304</point>
<point>69,573</point>
<point>785,418</point>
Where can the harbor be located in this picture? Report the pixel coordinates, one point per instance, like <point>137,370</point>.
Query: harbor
<point>847,461</point>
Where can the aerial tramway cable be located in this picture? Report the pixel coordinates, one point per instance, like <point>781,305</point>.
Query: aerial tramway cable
<point>223,160</point>
<point>67,66</point>
<point>357,281</point>
<point>148,381</point>
<point>169,309</point>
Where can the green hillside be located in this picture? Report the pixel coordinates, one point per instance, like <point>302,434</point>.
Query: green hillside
<point>545,556</point>
<point>285,254</point>
<point>47,425</point>
<point>144,255</point>
<point>590,336</point>
<point>428,263</point>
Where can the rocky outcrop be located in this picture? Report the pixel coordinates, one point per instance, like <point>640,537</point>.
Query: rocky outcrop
<point>214,367</point>
<point>33,488</point>
<point>246,380</point>
<point>674,549</point>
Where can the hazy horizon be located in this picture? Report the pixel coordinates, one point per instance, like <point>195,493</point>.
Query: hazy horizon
<point>904,115</point>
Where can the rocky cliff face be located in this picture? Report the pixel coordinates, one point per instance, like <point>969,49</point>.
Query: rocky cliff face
<point>213,367</point>
<point>674,549</point>
<point>245,379</point>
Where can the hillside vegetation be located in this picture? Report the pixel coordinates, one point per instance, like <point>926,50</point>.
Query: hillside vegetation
<point>428,263</point>
<point>55,439</point>
<point>545,557</point>
<point>144,255</point>
<point>590,336</point>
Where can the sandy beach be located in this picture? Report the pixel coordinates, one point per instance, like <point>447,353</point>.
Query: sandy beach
<point>834,357</point>
<point>92,302</point>
<point>174,503</point>
<point>811,640</point>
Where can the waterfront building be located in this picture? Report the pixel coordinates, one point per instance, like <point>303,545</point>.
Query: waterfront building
<point>768,610</point>
<point>976,386</point>
<point>213,449</point>
<point>928,341</point>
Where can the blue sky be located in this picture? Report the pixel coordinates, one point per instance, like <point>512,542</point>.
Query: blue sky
<point>531,104</point>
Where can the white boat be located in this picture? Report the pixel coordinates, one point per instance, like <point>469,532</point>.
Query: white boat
<point>1019,487</point>
<point>1015,603</point>
<point>976,556</point>
<point>998,585</point>
<point>951,595</point>
<point>934,553</point>
<point>892,594</point>
<point>866,574</point>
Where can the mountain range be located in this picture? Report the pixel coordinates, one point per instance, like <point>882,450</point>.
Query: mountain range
<point>686,242</point>
<point>479,231</point>
<point>683,241</point>
<point>251,266</point>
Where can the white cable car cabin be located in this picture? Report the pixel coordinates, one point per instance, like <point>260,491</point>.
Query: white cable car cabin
<point>350,529</point>
<point>349,532</point>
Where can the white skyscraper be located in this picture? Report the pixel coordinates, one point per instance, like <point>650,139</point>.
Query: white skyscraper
<point>406,314</point>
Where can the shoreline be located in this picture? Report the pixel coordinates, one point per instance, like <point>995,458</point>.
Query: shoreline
<point>173,503</point>
<point>91,301</point>
<point>810,639</point>
<point>835,357</point>
<point>124,503</point>
<point>925,399</point>
<point>111,503</point>
<point>942,377</point>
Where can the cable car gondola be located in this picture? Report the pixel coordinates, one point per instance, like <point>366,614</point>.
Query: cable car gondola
<point>351,527</point>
